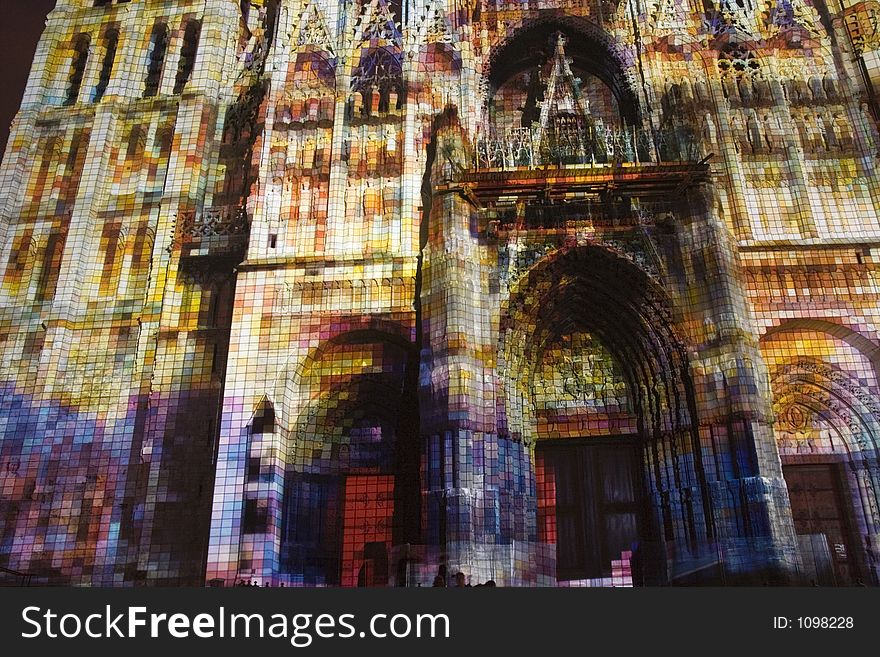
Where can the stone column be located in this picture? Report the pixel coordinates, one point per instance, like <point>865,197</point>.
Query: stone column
<point>751,514</point>
<point>475,484</point>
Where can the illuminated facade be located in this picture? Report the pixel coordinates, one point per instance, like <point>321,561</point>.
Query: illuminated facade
<point>551,292</point>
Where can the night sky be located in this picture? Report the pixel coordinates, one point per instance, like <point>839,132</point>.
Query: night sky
<point>21,24</point>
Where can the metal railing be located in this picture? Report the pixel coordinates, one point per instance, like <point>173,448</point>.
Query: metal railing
<point>582,145</point>
<point>221,221</point>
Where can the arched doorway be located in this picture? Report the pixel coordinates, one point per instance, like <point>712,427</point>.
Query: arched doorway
<point>588,470</point>
<point>349,494</point>
<point>597,382</point>
<point>827,429</point>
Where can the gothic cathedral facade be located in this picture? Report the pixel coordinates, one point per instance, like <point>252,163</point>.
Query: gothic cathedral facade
<point>353,292</point>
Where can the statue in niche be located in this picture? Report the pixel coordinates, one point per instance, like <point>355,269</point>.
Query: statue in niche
<point>710,132</point>
<point>701,92</point>
<point>754,131</point>
<point>731,90</point>
<point>746,91</point>
<point>870,126</point>
<point>308,162</point>
<point>292,192</point>
<point>372,158</point>
<point>327,151</point>
<point>306,193</point>
<point>354,220</point>
<point>741,134</point>
<point>686,92</point>
<point>373,100</point>
<point>776,91</point>
<point>761,88</point>
<point>372,203</point>
<point>802,131</point>
<point>816,89</point>
<point>393,100</point>
<point>813,132</point>
<point>772,132</point>
<point>842,130</point>
<point>327,109</point>
<point>278,163</point>
<point>321,157</point>
<point>391,146</point>
<point>353,153</point>
<point>389,198</point>
<point>826,133</point>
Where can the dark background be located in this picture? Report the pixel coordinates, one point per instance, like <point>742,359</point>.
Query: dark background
<point>21,24</point>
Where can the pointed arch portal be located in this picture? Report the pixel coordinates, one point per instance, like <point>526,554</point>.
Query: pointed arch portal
<point>598,383</point>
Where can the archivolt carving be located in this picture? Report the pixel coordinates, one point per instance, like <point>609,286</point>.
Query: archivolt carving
<point>835,376</point>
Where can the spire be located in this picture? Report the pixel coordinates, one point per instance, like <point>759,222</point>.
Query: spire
<point>565,116</point>
<point>313,28</point>
<point>378,23</point>
<point>563,96</point>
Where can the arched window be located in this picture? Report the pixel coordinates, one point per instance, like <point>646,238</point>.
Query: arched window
<point>134,153</point>
<point>156,59</point>
<point>110,244</point>
<point>188,52</point>
<point>111,43</point>
<point>77,67</point>
<point>19,259</point>
<point>51,267</point>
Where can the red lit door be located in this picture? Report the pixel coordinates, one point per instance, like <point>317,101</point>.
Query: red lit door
<point>368,510</point>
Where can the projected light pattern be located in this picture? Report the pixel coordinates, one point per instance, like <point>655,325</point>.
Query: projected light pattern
<point>312,293</point>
